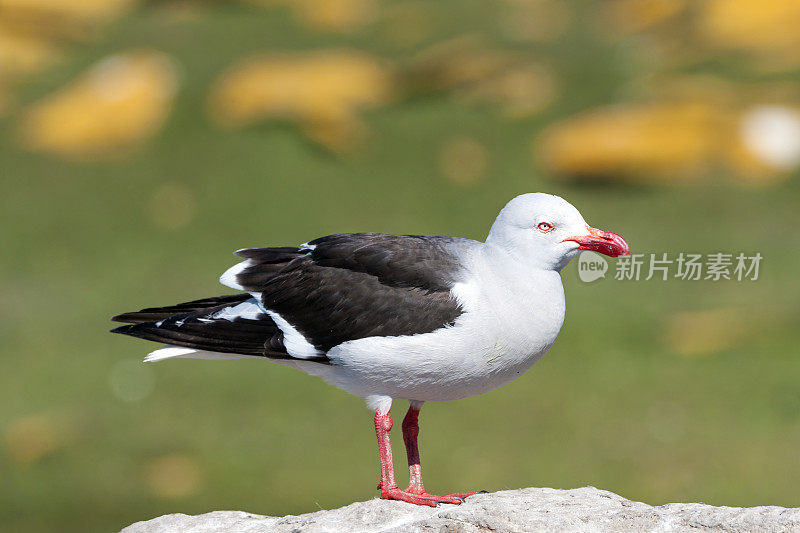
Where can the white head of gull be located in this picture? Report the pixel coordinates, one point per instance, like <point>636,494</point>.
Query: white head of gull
<point>394,316</point>
<point>546,232</point>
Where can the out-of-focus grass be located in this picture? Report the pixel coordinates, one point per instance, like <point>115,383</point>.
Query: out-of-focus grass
<point>611,405</point>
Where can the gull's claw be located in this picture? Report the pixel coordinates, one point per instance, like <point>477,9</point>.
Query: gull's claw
<point>463,495</point>
<point>430,500</point>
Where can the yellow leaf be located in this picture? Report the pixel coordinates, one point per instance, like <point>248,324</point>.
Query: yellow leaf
<point>113,107</point>
<point>60,18</point>
<point>633,16</point>
<point>321,91</point>
<point>769,29</point>
<point>22,54</point>
<point>91,10</point>
<point>335,15</point>
<point>662,141</point>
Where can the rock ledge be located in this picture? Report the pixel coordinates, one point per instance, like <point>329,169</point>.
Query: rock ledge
<point>528,510</point>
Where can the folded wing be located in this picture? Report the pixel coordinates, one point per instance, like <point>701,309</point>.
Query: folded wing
<point>351,286</point>
<point>303,301</point>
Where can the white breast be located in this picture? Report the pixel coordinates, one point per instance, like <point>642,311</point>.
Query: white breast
<point>505,328</point>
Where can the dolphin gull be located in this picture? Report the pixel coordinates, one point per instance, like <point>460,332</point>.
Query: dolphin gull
<point>394,316</point>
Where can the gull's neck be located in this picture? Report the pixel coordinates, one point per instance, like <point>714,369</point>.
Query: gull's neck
<point>507,270</point>
<point>526,301</point>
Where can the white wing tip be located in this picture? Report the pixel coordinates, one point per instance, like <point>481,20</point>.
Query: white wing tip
<point>296,344</point>
<point>228,278</point>
<point>168,352</point>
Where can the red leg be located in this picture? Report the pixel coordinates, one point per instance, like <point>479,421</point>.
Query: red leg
<point>410,435</point>
<point>415,493</point>
<point>383,425</point>
<point>388,486</point>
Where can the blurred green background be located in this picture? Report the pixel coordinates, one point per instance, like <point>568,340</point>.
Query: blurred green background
<point>143,142</point>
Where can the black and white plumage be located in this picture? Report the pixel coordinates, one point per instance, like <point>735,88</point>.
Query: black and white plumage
<point>393,316</point>
<point>232,324</point>
<point>346,287</point>
<point>329,291</point>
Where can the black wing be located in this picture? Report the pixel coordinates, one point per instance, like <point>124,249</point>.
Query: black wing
<point>351,286</point>
<point>205,325</point>
<point>154,314</point>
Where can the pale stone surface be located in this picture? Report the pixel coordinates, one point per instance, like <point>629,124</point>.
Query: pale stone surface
<point>526,510</point>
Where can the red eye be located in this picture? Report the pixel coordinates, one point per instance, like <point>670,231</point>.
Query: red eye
<point>545,227</point>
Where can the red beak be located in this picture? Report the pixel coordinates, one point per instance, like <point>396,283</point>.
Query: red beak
<point>601,241</point>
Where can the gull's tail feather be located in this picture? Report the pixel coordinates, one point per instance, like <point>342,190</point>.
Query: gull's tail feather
<point>224,327</point>
<point>172,352</point>
<point>154,314</point>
